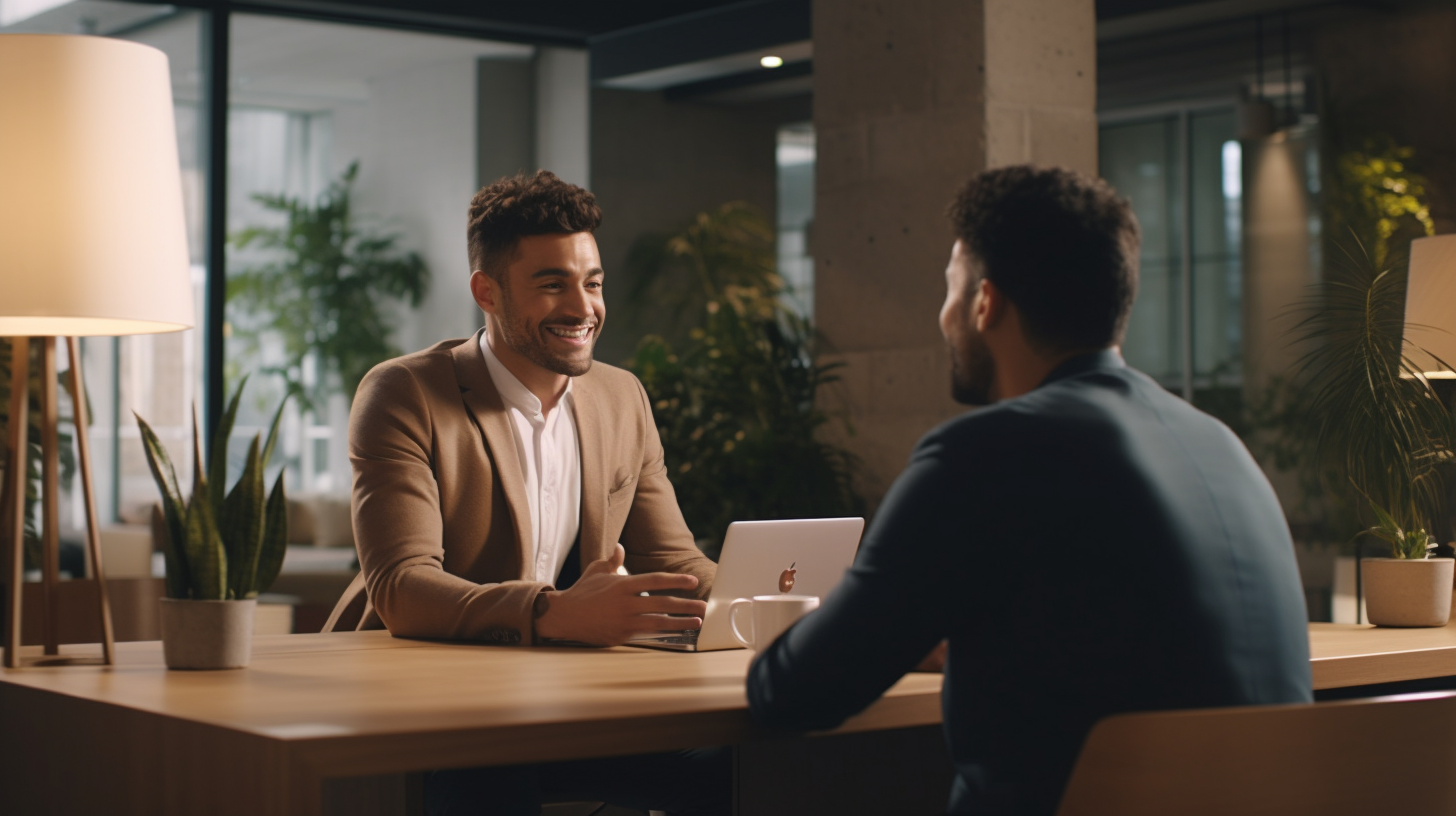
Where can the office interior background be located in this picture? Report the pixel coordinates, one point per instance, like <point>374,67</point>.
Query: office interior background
<point>1222,122</point>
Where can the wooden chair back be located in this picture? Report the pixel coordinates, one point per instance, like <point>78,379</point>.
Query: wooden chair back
<point>1382,755</point>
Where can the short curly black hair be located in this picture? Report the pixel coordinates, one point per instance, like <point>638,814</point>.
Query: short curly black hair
<point>515,207</point>
<point>1062,247</point>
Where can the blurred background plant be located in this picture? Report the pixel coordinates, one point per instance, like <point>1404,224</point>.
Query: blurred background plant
<point>734,378</point>
<point>1352,422</point>
<point>33,431</point>
<point>324,294</point>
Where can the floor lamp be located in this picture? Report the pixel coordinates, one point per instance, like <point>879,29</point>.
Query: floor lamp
<point>1430,306</point>
<point>93,242</point>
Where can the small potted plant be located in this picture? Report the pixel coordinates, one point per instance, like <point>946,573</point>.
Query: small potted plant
<point>221,546</point>
<point>1409,588</point>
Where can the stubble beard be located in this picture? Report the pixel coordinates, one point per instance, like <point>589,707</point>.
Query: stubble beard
<point>529,342</point>
<point>972,370</point>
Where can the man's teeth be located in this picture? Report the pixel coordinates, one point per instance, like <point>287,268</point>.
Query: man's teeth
<point>576,333</point>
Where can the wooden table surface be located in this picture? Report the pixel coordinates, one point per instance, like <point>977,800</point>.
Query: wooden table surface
<point>1344,655</point>
<point>354,700</point>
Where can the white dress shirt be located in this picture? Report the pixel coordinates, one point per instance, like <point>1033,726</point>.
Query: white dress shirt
<point>546,446</point>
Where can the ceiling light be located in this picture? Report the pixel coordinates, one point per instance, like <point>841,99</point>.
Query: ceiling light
<point>771,61</point>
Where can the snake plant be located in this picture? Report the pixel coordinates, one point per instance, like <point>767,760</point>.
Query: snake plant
<point>220,544</point>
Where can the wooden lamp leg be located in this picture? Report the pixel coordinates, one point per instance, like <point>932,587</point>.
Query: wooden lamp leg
<point>14,498</point>
<point>50,451</point>
<point>93,531</point>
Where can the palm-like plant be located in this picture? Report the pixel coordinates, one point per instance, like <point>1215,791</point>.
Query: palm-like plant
<point>1380,430</point>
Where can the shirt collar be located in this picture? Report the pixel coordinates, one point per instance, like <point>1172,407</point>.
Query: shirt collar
<point>1108,359</point>
<point>513,392</point>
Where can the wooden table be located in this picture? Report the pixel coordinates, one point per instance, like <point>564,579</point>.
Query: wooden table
<point>312,708</point>
<point>1344,655</point>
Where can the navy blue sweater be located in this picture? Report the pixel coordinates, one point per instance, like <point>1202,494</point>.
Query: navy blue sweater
<point>1095,546</point>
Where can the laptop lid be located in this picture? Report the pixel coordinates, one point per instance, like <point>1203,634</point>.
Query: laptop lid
<point>756,555</point>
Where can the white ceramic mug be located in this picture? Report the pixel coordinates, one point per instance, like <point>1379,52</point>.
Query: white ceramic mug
<point>770,616</point>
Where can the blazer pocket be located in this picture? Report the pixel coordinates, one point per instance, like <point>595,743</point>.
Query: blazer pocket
<point>626,482</point>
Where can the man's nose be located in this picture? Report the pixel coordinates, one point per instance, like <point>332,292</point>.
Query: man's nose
<point>578,303</point>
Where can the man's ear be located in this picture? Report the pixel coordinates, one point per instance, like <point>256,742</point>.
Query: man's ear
<point>485,290</point>
<point>988,308</point>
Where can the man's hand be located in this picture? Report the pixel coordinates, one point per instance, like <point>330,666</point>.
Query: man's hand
<point>608,609</point>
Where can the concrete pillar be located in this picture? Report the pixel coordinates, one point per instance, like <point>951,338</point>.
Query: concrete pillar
<point>1278,258</point>
<point>563,114</point>
<point>910,99</point>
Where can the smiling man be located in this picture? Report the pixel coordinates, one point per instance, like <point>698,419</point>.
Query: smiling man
<point>500,481</point>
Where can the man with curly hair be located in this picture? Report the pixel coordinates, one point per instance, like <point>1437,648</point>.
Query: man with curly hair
<point>1084,545</point>
<point>501,481</point>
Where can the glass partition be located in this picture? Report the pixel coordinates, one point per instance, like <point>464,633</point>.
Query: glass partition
<point>351,160</point>
<point>1181,172</point>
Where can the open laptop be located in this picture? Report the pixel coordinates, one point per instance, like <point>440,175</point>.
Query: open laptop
<point>755,557</point>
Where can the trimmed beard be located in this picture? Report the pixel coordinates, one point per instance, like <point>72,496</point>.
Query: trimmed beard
<point>519,337</point>
<point>972,370</point>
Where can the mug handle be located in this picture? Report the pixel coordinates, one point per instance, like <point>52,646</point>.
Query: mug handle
<point>739,603</point>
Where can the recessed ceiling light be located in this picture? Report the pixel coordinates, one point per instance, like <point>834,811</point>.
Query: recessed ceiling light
<point>771,62</point>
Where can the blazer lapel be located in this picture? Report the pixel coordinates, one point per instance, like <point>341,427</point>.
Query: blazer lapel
<point>484,402</point>
<point>589,431</point>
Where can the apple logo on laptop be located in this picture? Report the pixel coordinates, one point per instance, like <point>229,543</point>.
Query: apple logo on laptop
<point>786,578</point>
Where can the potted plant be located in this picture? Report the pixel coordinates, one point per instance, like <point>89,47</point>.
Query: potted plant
<point>221,546</point>
<point>1410,588</point>
<point>734,378</point>
<point>1381,435</point>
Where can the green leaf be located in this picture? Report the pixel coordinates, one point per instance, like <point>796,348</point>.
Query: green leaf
<point>273,431</point>
<point>275,539</point>
<point>217,453</point>
<point>174,539</point>
<point>206,558</point>
<point>205,555</point>
<point>241,524</point>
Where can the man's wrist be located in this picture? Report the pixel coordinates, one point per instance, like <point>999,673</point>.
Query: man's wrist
<point>539,608</point>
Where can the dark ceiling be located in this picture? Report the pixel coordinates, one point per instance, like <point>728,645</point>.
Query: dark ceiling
<point>555,21</point>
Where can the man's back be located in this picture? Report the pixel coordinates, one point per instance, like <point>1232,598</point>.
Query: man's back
<point>1092,547</point>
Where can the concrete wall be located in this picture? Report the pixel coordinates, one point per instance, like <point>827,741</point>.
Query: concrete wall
<point>655,164</point>
<point>911,99</point>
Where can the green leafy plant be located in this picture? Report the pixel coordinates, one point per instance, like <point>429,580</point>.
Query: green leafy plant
<point>1380,431</point>
<point>1408,544</point>
<point>220,544</point>
<point>734,391</point>
<point>1376,194</point>
<point>1351,422</point>
<point>322,296</point>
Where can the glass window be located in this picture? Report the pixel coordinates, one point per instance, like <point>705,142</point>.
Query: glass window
<point>796,215</point>
<point>320,112</point>
<point>1186,335</point>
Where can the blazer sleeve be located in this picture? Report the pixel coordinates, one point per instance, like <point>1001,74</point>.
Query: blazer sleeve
<point>399,530</point>
<point>655,536</point>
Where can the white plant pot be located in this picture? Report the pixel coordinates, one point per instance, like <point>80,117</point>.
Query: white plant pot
<point>207,634</point>
<point>1408,592</point>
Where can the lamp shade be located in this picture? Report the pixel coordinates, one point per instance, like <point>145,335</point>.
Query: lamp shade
<point>92,234</point>
<point>1430,305</point>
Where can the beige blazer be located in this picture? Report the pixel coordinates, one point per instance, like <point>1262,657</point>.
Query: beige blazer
<point>440,514</point>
